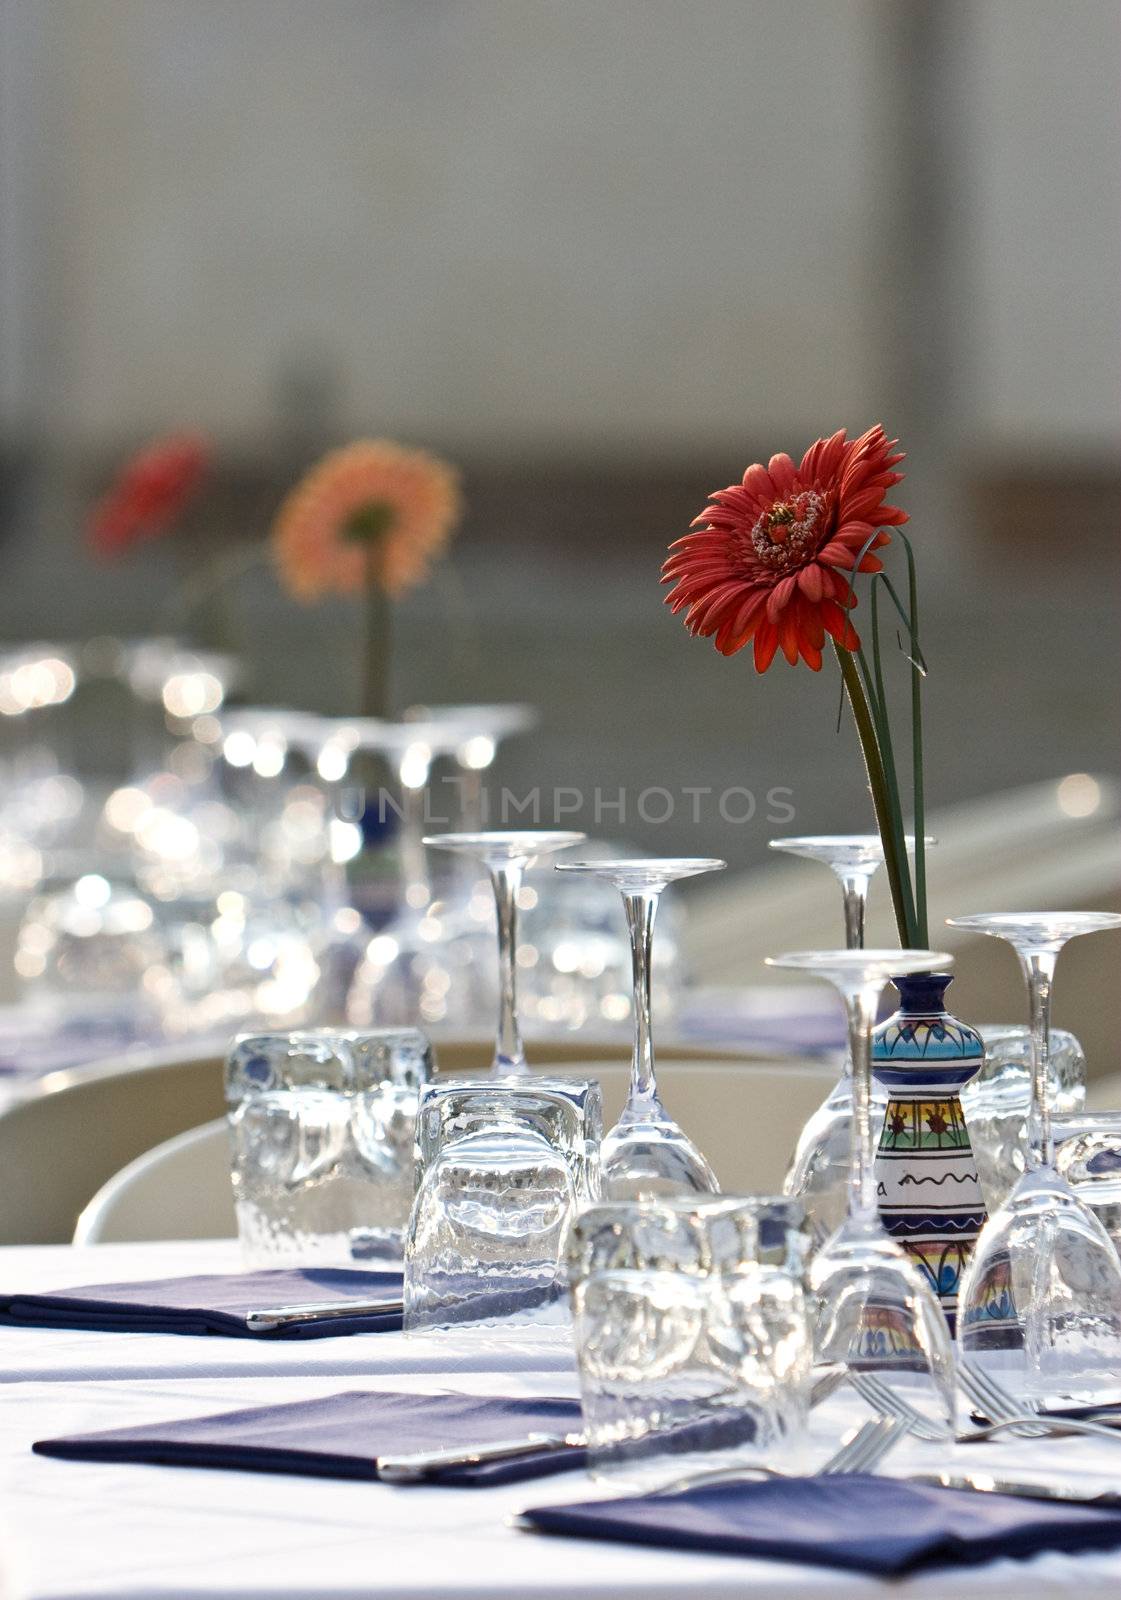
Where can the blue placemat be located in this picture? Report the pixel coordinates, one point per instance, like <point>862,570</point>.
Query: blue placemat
<point>211,1304</point>
<point>342,1436</point>
<point>867,1524</point>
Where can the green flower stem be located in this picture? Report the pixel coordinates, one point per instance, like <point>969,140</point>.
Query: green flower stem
<point>376,699</point>
<point>916,750</point>
<point>877,782</point>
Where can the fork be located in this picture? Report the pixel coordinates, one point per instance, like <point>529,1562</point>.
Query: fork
<point>883,1398</point>
<point>1009,1416</point>
<point>859,1453</point>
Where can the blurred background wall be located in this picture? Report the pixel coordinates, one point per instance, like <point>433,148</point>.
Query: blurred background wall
<point>602,253</point>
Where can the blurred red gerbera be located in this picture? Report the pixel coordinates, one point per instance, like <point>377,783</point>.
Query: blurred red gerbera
<point>768,558</point>
<point>150,493</point>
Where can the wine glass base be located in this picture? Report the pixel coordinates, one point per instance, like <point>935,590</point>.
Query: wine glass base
<point>652,1156</point>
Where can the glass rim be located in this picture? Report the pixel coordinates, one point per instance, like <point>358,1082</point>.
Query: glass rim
<point>841,841</point>
<point>874,963</point>
<point>655,866</point>
<point>520,842</point>
<point>1028,922</point>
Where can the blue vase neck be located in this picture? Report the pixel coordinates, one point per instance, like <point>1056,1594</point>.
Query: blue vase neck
<point>924,993</point>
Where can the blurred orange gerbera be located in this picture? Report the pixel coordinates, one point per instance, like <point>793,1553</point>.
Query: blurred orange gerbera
<point>769,557</point>
<point>372,513</point>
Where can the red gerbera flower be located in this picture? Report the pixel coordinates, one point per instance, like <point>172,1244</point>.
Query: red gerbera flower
<point>769,557</point>
<point>150,493</point>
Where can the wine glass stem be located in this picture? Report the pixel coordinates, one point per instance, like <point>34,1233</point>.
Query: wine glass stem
<point>860,1007</point>
<point>509,1056</point>
<point>854,889</point>
<point>1039,969</point>
<point>641,907</point>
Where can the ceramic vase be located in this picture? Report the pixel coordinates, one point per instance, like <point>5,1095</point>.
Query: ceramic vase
<point>927,1185</point>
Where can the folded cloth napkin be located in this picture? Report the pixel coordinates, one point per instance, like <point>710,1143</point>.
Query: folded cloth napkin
<point>868,1524</point>
<point>213,1303</point>
<point>342,1436</point>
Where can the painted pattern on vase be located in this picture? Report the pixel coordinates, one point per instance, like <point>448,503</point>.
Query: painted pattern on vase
<point>928,1188</point>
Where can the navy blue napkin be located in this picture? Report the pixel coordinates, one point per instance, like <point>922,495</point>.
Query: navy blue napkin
<point>342,1436</point>
<point>863,1523</point>
<point>211,1303</point>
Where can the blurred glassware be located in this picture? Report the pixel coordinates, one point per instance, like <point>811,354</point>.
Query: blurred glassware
<point>998,1100</point>
<point>179,838</point>
<point>239,956</point>
<point>421,943</point>
<point>283,765</point>
<point>40,801</point>
<point>480,730</point>
<point>1088,1157</point>
<point>692,1337</point>
<point>176,693</point>
<point>819,1167</point>
<point>506,855</point>
<point>322,1130</point>
<point>502,1166</point>
<point>1044,1276</point>
<point>647,1153</point>
<point>94,948</point>
<point>874,1309</point>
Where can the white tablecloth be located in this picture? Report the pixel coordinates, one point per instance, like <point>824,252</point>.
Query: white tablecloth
<point>70,1530</point>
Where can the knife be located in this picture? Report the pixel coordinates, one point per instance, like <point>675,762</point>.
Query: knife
<point>321,1311</point>
<point>421,1464</point>
<point>986,1483</point>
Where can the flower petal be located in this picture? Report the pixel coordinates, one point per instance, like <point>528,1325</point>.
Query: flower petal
<point>766,643</point>
<point>781,471</point>
<point>780,595</point>
<point>835,554</point>
<point>811,581</point>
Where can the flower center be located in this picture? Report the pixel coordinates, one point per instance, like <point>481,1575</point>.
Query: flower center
<point>369,522</point>
<point>788,534</point>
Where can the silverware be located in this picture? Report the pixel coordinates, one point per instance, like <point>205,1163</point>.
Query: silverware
<point>416,1467</point>
<point>1009,1416</point>
<point>883,1398</point>
<point>321,1311</point>
<point>986,1483</point>
<point>859,1453</point>
<point>421,1464</point>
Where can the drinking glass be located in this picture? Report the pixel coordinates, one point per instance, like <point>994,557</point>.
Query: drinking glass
<point>819,1168</point>
<point>855,858</point>
<point>1088,1156</point>
<point>322,1131</point>
<point>502,1167</point>
<point>691,1335</point>
<point>997,1102</point>
<point>506,856</point>
<point>567,1113</point>
<point>646,1153</point>
<point>875,1309</point>
<point>1044,1277</point>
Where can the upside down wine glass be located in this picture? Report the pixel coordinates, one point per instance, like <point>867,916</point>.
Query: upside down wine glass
<point>1045,1277</point>
<point>646,1154</point>
<point>876,1310</point>
<point>818,1174</point>
<point>855,858</point>
<point>506,856</point>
